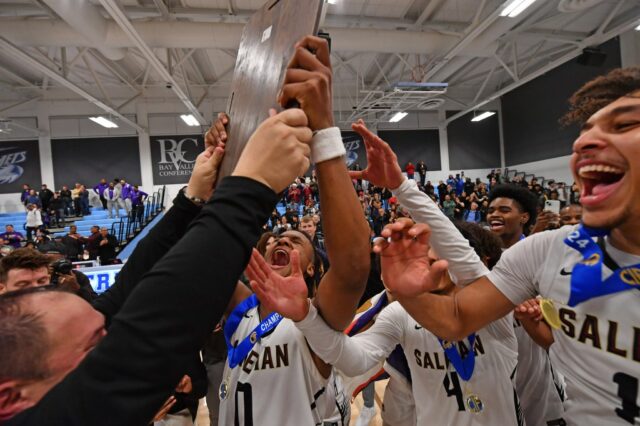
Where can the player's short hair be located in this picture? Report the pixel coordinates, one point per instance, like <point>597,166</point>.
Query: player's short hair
<point>486,244</point>
<point>525,200</point>
<point>306,218</point>
<point>600,92</point>
<point>22,258</point>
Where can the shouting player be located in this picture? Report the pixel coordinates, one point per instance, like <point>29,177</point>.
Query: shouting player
<point>272,377</point>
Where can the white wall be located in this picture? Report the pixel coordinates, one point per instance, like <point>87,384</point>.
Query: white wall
<point>554,168</point>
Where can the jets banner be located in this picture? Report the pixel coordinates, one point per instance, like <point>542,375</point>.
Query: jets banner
<point>19,164</point>
<point>173,157</point>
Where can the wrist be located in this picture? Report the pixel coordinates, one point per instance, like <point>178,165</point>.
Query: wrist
<point>193,196</point>
<point>304,311</point>
<point>326,145</point>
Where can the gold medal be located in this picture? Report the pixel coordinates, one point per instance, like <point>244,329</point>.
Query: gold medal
<point>550,313</point>
<point>223,391</point>
<point>474,403</point>
<point>446,344</point>
<point>253,337</point>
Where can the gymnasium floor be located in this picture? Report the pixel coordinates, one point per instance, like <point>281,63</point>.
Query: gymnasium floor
<point>203,413</point>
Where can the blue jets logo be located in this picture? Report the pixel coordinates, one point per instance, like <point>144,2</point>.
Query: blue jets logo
<point>351,144</point>
<point>9,169</point>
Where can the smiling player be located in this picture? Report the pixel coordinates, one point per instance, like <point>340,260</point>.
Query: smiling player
<point>590,272</point>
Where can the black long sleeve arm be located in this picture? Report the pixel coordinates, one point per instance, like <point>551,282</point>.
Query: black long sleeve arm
<point>165,319</point>
<point>149,250</point>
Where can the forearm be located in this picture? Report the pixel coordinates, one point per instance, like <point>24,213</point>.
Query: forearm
<point>464,264</point>
<point>351,355</point>
<point>347,245</point>
<point>177,304</point>
<point>346,232</point>
<point>455,316</point>
<point>539,331</point>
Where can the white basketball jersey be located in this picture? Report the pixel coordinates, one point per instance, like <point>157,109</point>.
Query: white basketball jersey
<point>278,382</point>
<point>438,391</point>
<point>541,392</point>
<point>597,348</point>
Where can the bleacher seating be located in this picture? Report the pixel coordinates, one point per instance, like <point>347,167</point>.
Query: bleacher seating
<point>98,217</point>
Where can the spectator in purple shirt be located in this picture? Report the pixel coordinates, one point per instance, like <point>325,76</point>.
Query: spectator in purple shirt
<point>124,200</point>
<point>11,237</point>
<point>99,188</point>
<point>137,202</point>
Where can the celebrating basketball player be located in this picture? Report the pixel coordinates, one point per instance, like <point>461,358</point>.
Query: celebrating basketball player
<point>272,377</point>
<point>587,275</point>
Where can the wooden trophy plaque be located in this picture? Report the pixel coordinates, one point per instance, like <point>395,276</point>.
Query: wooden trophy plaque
<point>265,50</point>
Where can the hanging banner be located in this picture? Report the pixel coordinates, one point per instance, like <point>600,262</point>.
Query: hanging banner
<point>19,164</point>
<point>173,157</point>
<point>87,160</point>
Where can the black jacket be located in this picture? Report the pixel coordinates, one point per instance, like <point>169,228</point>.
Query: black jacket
<point>160,314</point>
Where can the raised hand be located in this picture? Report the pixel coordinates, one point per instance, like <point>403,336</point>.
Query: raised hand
<point>278,151</point>
<point>407,270</point>
<point>528,310</point>
<point>284,295</point>
<point>205,173</point>
<point>217,134</point>
<point>382,163</point>
<point>308,82</point>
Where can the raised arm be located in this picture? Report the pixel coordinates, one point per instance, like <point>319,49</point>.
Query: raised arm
<point>472,308</point>
<point>308,81</point>
<point>383,170</point>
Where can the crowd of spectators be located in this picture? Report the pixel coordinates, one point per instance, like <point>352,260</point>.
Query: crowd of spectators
<point>47,209</point>
<point>461,198</point>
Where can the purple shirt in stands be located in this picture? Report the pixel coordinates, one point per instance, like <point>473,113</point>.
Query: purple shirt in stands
<point>14,238</point>
<point>137,197</point>
<point>99,188</point>
<point>126,191</point>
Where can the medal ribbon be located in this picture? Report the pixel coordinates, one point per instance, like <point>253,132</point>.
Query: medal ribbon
<point>586,276</point>
<point>464,366</point>
<point>239,352</point>
<point>367,316</point>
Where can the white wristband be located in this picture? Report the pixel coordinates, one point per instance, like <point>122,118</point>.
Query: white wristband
<point>327,145</point>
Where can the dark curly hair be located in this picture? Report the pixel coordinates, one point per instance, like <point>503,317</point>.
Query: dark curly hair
<point>486,244</point>
<point>600,92</point>
<point>526,201</point>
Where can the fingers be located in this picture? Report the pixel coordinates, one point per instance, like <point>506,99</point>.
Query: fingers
<point>379,245</point>
<point>165,408</point>
<point>293,117</point>
<point>254,269</point>
<point>436,272</point>
<point>293,92</point>
<point>295,264</point>
<point>356,174</point>
<point>317,45</point>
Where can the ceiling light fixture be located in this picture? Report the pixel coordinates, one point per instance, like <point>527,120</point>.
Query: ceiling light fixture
<point>190,120</point>
<point>398,116</point>
<point>104,122</point>
<point>638,28</point>
<point>332,1</point>
<point>482,116</point>
<point>514,8</point>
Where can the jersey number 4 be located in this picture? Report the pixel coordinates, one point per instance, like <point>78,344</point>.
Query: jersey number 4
<point>452,387</point>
